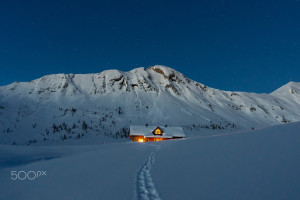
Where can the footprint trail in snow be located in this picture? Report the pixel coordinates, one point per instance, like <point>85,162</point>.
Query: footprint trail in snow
<point>145,188</point>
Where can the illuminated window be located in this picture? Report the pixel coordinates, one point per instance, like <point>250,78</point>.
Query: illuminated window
<point>157,132</point>
<point>140,140</point>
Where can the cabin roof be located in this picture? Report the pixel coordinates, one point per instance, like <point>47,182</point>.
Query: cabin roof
<point>147,131</point>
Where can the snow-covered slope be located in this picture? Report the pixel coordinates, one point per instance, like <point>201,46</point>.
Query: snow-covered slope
<point>259,164</point>
<point>73,106</point>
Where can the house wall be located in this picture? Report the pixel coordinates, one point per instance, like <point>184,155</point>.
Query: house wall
<point>155,139</point>
<point>138,138</point>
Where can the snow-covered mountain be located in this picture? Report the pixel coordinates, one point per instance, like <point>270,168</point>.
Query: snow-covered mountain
<point>103,105</point>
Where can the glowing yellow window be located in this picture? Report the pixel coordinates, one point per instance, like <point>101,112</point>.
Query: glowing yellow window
<point>140,140</point>
<point>157,132</point>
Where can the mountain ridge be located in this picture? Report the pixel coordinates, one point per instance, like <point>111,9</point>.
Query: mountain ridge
<point>110,71</point>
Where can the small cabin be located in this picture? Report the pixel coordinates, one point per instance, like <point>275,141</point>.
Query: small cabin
<point>154,133</point>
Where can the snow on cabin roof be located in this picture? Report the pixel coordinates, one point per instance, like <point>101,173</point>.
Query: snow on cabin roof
<point>147,131</point>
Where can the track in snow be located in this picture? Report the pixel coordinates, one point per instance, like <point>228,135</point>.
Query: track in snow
<point>145,189</point>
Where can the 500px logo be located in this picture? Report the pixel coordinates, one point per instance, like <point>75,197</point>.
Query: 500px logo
<point>30,175</point>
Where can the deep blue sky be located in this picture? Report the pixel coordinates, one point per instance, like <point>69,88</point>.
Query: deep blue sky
<point>226,44</point>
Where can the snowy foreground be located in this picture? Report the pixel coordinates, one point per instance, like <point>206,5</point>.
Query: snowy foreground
<point>261,164</point>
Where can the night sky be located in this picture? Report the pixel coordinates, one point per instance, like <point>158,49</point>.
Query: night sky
<point>239,45</point>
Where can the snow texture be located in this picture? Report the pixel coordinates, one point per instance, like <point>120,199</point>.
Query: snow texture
<point>145,188</point>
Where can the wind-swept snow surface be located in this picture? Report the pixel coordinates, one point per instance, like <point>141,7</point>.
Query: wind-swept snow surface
<point>260,164</point>
<point>263,164</point>
<point>79,173</point>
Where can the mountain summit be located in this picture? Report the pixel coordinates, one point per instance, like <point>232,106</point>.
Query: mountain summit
<point>74,106</point>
